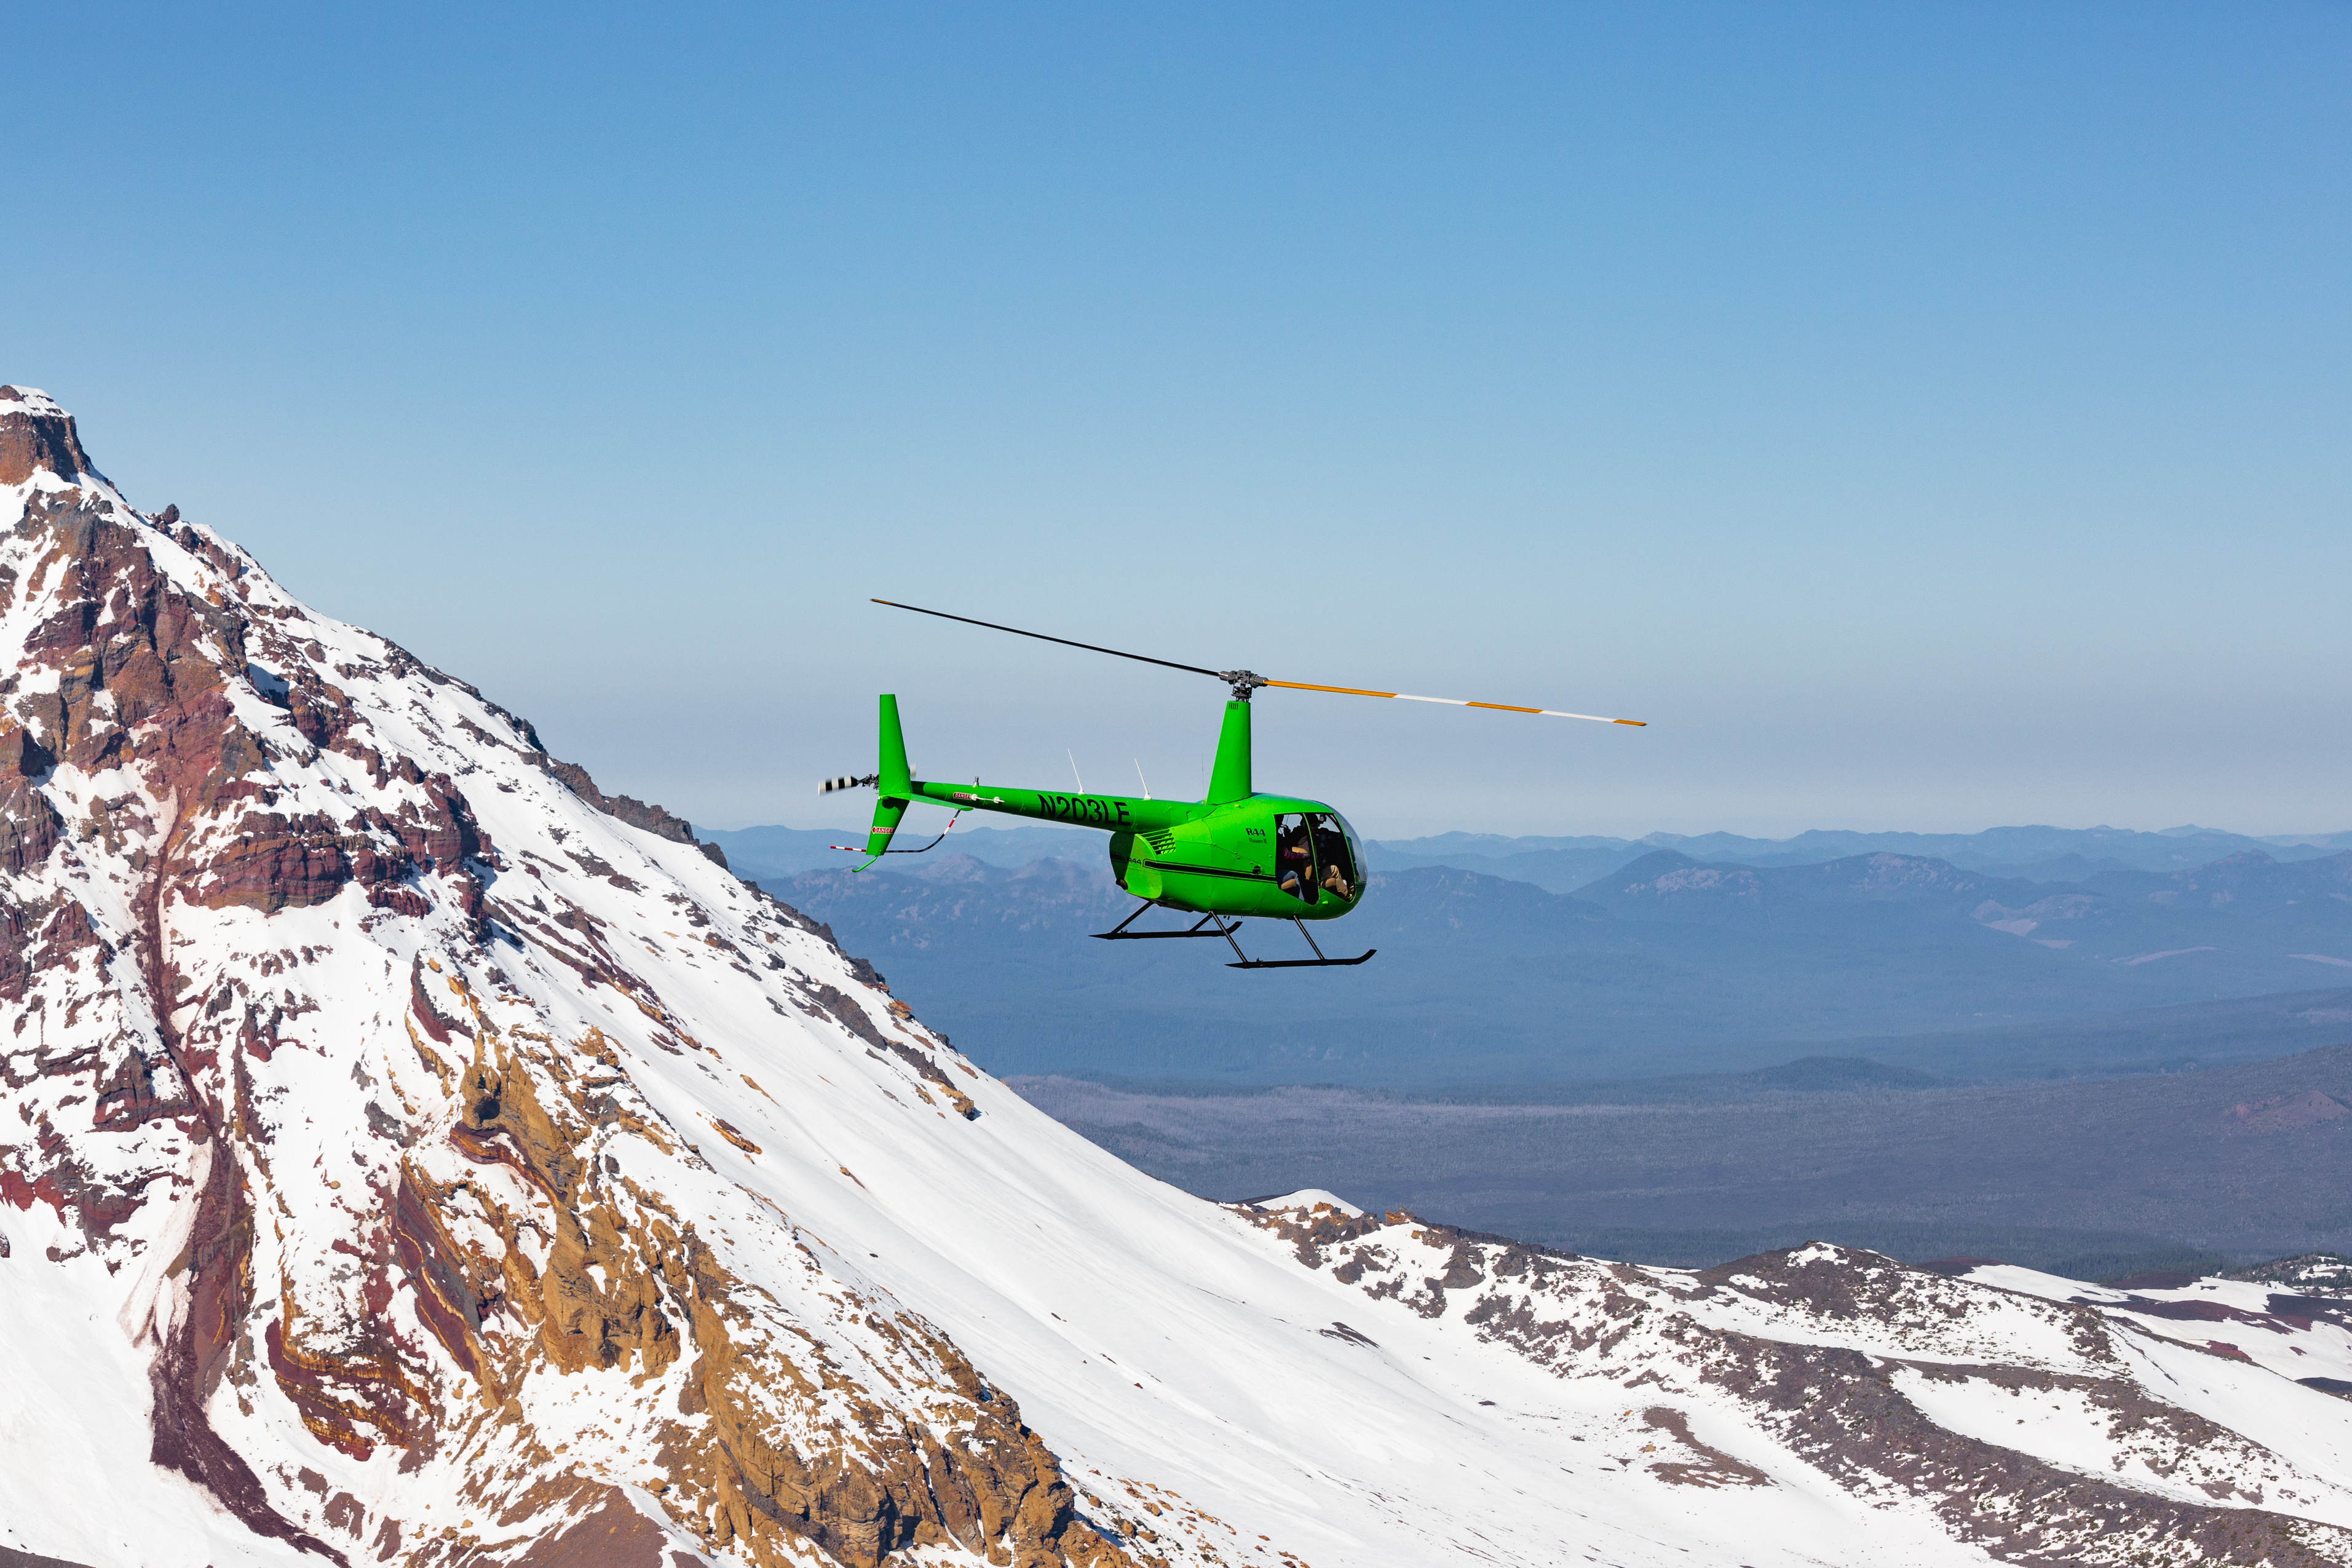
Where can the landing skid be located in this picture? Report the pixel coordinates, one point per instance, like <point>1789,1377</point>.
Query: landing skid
<point>1317,961</point>
<point>1203,928</point>
<point>1120,933</point>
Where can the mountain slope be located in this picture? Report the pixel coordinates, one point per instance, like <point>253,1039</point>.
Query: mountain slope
<point>409,1153</point>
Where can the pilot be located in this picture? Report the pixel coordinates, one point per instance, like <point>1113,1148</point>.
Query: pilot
<point>1335,857</point>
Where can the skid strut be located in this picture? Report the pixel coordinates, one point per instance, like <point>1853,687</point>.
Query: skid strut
<point>1213,925</point>
<point>1120,933</point>
<point>1317,961</point>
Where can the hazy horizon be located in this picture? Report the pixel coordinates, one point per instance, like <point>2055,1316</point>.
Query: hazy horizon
<point>857,824</point>
<point>1926,417</point>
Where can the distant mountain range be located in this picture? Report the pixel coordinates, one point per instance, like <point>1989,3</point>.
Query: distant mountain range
<point>1668,964</point>
<point>1564,864</point>
<point>2033,854</point>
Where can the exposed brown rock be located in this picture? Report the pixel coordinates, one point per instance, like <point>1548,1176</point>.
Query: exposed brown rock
<point>32,439</point>
<point>614,1536</point>
<point>930,1071</point>
<point>276,863</point>
<point>1711,1467</point>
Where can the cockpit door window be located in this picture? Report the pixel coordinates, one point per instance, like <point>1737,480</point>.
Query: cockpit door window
<point>1335,859</point>
<point>1294,857</point>
<point>1315,854</point>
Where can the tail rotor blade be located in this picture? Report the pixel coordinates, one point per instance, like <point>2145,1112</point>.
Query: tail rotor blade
<point>1457,702</point>
<point>846,782</point>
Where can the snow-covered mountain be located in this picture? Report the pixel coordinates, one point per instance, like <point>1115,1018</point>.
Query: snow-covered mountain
<point>410,1154</point>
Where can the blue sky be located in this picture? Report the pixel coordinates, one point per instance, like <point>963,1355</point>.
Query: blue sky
<point>1928,417</point>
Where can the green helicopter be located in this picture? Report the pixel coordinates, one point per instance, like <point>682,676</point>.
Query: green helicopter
<point>1236,854</point>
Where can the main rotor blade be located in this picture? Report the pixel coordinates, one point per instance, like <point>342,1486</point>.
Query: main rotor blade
<point>1457,702</point>
<point>1260,680</point>
<point>1040,636</point>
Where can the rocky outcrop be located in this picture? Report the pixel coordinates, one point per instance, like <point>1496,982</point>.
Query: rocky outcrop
<point>38,437</point>
<point>653,819</point>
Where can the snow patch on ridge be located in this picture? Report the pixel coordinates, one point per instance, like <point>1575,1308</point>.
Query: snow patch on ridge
<point>30,400</point>
<point>1308,1198</point>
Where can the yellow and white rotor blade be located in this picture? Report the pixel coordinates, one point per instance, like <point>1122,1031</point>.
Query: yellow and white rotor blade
<point>1457,702</point>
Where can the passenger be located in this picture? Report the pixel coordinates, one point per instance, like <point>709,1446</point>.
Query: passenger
<point>1336,883</point>
<point>1295,864</point>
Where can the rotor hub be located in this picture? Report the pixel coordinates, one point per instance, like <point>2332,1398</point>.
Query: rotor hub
<point>1243,682</point>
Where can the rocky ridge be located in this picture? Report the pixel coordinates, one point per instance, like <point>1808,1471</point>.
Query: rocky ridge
<point>1898,1383</point>
<point>410,1153</point>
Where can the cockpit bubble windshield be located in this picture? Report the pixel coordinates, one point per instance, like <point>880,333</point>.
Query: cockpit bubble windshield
<point>1316,855</point>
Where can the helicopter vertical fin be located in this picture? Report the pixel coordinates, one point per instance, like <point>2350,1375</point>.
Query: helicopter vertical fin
<point>1229,776</point>
<point>892,781</point>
